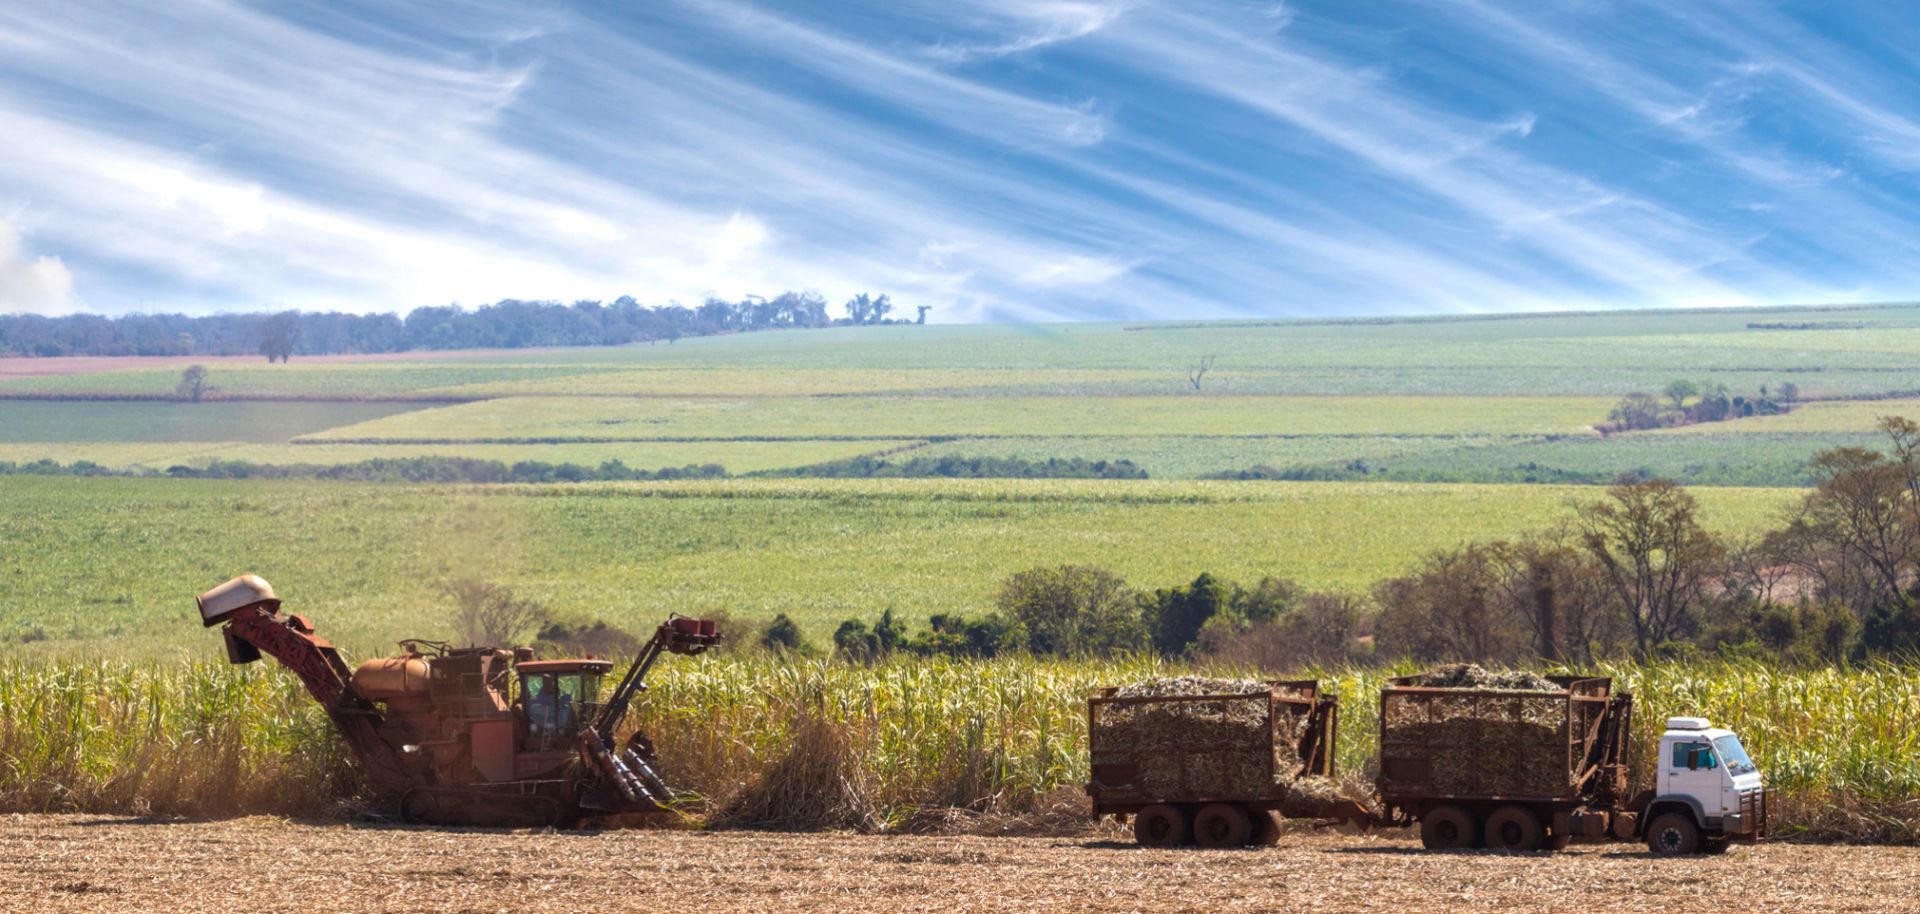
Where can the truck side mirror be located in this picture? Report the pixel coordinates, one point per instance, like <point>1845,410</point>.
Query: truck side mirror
<point>1699,757</point>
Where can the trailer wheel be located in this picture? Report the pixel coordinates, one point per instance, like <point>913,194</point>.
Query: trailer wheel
<point>1673,834</point>
<point>1266,829</point>
<point>1449,828</point>
<point>1515,828</point>
<point>1222,825</point>
<point>1160,825</point>
<point>417,807</point>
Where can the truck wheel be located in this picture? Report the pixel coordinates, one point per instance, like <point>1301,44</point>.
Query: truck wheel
<point>1673,834</point>
<point>1160,825</point>
<point>1514,828</point>
<point>1449,828</point>
<point>1716,846</point>
<point>1222,825</point>
<point>1266,829</point>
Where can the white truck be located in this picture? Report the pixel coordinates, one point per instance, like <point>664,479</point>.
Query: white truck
<point>1511,769</point>
<point>1707,791</point>
<point>1531,769</point>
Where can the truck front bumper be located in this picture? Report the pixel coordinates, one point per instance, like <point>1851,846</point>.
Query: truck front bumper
<point>1751,820</point>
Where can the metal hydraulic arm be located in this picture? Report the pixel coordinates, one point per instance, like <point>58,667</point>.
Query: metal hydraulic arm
<point>255,626</point>
<point>630,770</point>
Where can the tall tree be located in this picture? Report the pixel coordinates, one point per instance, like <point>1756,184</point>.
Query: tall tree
<point>279,335</point>
<point>1654,555</point>
<point>193,383</point>
<point>1679,391</point>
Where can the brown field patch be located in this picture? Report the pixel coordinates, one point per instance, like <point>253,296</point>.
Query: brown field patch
<point>101,864</point>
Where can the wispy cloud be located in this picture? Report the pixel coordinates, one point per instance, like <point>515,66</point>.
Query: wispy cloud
<point>37,285</point>
<point>1022,27</point>
<point>993,158</point>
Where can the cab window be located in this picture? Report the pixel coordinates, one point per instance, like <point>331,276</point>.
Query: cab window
<point>1693,755</point>
<point>555,706</point>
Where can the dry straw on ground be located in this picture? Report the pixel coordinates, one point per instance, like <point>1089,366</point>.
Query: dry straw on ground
<point>817,784</point>
<point>90,865</point>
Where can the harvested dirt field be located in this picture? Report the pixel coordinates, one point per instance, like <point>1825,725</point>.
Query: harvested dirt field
<point>102,864</point>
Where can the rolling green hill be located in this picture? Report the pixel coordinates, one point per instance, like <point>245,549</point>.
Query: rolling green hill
<point>1428,423</point>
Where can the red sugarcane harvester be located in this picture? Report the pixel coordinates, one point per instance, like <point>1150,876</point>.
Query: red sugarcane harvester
<point>473,735</point>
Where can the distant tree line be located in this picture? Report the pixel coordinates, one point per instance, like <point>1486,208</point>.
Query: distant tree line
<point>957,467</point>
<point>475,470</point>
<point>1687,403</point>
<point>506,324</point>
<point>384,469</point>
<point>1807,325</point>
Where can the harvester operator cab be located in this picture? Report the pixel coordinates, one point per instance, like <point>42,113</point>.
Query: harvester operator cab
<point>556,698</point>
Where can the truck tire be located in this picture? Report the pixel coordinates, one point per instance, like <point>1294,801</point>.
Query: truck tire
<point>1160,825</point>
<point>1266,829</point>
<point>1673,834</point>
<point>1222,825</point>
<point>1515,828</point>
<point>1449,828</point>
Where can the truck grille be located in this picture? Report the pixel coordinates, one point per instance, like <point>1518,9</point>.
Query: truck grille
<point>1753,808</point>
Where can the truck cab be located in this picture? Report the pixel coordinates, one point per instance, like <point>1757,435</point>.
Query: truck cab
<point>1707,791</point>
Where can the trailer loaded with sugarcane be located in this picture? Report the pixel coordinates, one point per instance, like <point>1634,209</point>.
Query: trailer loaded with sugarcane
<point>1209,761</point>
<point>1508,761</point>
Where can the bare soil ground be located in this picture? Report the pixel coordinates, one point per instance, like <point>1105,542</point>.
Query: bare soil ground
<point>105,864</point>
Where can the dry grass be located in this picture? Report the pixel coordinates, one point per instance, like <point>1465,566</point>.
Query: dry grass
<point>818,783</point>
<point>930,745</point>
<point>50,865</point>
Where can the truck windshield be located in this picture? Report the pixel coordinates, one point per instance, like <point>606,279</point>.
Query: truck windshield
<point>1735,756</point>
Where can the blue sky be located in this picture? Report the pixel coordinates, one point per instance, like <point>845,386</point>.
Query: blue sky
<point>997,159</point>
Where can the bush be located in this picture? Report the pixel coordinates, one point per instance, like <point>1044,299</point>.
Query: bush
<point>577,639</point>
<point>1806,635</point>
<point>958,636</point>
<point>854,641</point>
<point>1175,615</point>
<point>946,635</point>
<point>1266,602</point>
<point>486,614</point>
<point>783,636</point>
<point>1073,609</point>
<point>1323,630</point>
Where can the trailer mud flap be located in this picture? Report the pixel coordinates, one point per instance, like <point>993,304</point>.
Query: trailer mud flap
<point>1582,823</point>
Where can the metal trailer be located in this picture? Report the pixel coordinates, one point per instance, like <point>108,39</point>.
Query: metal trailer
<point>1174,789</point>
<point>1532,770</point>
